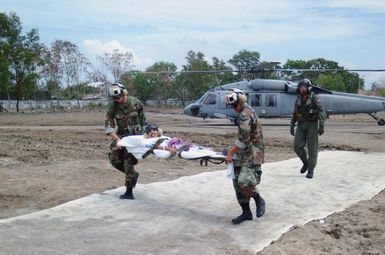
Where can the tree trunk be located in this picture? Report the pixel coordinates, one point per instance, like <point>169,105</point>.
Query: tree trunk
<point>17,105</point>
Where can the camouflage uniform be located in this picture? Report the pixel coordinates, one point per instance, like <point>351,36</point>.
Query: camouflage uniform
<point>247,165</point>
<point>308,111</point>
<point>129,119</point>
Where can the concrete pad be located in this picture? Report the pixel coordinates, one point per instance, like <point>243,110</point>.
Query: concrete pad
<point>192,215</point>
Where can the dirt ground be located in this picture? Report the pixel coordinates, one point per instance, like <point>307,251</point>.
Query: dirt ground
<point>47,159</point>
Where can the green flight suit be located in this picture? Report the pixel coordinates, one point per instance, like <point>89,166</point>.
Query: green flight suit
<point>310,115</point>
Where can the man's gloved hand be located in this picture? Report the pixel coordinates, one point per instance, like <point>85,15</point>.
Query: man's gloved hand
<point>321,129</point>
<point>292,125</point>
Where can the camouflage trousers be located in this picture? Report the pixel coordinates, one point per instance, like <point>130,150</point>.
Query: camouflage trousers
<point>245,182</point>
<point>306,134</point>
<point>124,162</point>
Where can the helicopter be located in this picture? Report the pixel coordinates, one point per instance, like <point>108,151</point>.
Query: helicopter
<point>276,98</point>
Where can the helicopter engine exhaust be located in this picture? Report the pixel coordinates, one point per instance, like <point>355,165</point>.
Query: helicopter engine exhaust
<point>274,85</point>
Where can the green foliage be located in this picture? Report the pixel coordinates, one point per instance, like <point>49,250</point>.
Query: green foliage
<point>341,80</point>
<point>139,85</point>
<point>52,87</point>
<point>196,83</point>
<point>224,77</point>
<point>352,82</point>
<point>381,92</point>
<point>331,82</point>
<point>245,60</point>
<point>295,64</point>
<point>163,80</point>
<point>20,57</point>
<point>77,91</point>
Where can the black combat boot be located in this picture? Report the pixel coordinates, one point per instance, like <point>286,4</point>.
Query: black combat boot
<point>127,195</point>
<point>260,204</point>
<point>304,167</point>
<point>246,214</point>
<point>310,173</point>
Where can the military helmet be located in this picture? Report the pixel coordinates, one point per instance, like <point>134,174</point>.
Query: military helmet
<point>116,90</point>
<point>304,82</point>
<point>235,97</point>
<point>150,127</point>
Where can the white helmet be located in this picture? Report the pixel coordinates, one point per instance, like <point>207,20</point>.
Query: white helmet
<point>116,90</point>
<point>234,97</point>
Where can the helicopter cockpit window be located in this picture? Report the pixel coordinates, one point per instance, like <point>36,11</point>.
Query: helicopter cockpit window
<point>271,100</point>
<point>255,100</point>
<point>210,99</point>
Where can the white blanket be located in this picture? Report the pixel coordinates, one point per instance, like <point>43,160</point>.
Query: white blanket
<point>137,145</point>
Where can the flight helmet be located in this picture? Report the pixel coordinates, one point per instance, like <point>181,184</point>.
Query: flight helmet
<point>116,90</point>
<point>304,82</point>
<point>235,97</point>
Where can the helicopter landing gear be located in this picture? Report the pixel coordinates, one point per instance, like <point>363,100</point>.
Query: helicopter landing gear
<point>380,122</point>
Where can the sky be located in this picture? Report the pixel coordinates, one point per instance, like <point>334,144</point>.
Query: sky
<point>350,32</point>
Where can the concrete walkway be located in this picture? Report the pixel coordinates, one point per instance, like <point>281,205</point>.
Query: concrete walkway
<point>192,215</point>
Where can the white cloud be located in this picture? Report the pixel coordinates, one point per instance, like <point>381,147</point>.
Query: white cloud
<point>99,47</point>
<point>96,46</point>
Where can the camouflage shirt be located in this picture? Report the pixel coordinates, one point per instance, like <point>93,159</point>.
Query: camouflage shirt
<point>309,109</point>
<point>125,118</point>
<point>249,139</point>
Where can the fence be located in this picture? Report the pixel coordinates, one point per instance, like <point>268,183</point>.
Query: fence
<point>53,105</point>
<point>71,105</point>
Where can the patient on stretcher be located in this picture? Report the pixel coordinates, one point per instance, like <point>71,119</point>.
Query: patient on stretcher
<point>161,146</point>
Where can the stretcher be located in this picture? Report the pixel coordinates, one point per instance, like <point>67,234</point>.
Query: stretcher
<point>140,147</point>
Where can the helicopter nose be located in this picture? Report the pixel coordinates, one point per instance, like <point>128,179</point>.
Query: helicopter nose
<point>192,110</point>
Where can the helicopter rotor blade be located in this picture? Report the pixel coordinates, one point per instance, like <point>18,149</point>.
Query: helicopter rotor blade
<point>330,70</point>
<point>257,70</point>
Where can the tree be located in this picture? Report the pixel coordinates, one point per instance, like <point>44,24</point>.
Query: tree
<point>163,79</point>
<point>338,80</point>
<point>117,62</point>
<point>223,77</point>
<point>245,62</point>
<point>51,71</point>
<point>317,65</point>
<point>5,72</point>
<point>21,55</point>
<point>331,82</point>
<point>352,81</point>
<point>195,83</point>
<point>139,85</point>
<point>67,67</point>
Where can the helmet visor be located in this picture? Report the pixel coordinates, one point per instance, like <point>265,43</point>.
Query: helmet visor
<point>232,99</point>
<point>115,92</point>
